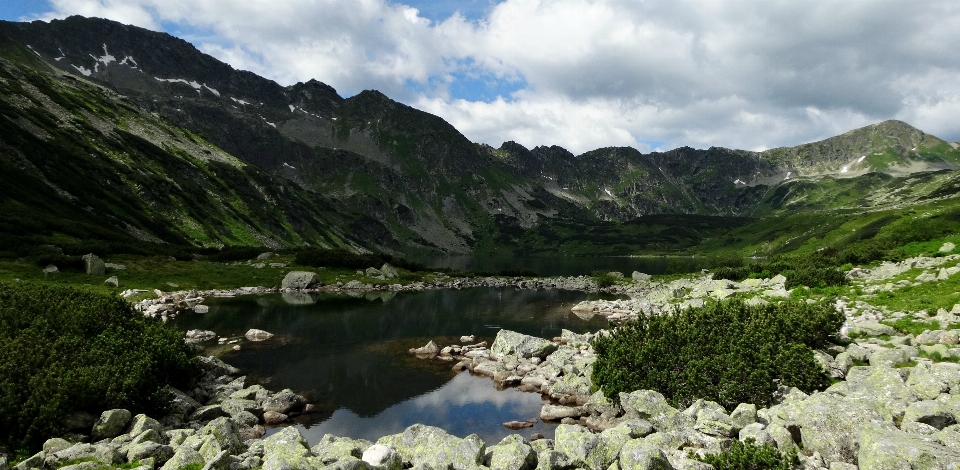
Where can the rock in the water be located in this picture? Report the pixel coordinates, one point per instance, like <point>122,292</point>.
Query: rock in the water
<point>518,344</point>
<point>284,402</point>
<point>254,334</point>
<point>383,457</point>
<point>557,412</point>
<point>517,425</point>
<point>300,280</point>
<point>272,417</point>
<point>111,424</point>
<point>94,265</point>
<point>430,349</point>
<point>468,338</point>
<point>199,308</point>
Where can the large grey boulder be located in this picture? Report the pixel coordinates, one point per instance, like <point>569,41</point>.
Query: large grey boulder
<point>389,271</point>
<point>830,424</point>
<point>638,454</point>
<point>184,457</point>
<point>226,432</point>
<point>142,423</point>
<point>160,453</point>
<point>332,449</point>
<point>283,402</point>
<point>550,412</point>
<point>744,414</point>
<point>653,407</point>
<point>287,449</point>
<point>518,344</point>
<point>929,412</point>
<point>430,446</point>
<point>512,453</point>
<point>549,459</point>
<point>93,265</point>
<point>892,449</point>
<point>383,457</point>
<point>871,328</point>
<point>300,280</point>
<point>589,450</point>
<point>881,387</point>
<point>713,422</point>
<point>926,384</point>
<point>111,424</point>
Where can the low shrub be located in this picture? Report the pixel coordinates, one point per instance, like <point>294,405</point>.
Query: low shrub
<point>727,352</point>
<point>603,278</point>
<point>65,350</point>
<point>750,456</point>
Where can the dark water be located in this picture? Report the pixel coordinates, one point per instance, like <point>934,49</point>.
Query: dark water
<point>566,265</point>
<point>349,355</point>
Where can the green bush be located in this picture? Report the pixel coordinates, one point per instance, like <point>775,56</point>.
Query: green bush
<point>727,352</point>
<point>64,350</point>
<point>603,278</point>
<point>749,456</point>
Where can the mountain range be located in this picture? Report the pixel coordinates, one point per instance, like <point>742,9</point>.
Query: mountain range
<point>117,133</point>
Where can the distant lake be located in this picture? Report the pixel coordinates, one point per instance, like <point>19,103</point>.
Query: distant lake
<point>349,355</point>
<point>566,265</point>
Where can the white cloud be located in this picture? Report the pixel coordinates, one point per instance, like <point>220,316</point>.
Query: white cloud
<point>597,73</point>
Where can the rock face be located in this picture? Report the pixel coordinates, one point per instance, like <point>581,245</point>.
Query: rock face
<point>299,280</point>
<point>521,345</point>
<point>94,265</point>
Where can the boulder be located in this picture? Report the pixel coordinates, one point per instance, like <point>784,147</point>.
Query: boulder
<point>871,328</point>
<point>184,457</point>
<point>744,414</point>
<point>929,412</point>
<point>893,449</point>
<point>430,349</point>
<point>332,449</point>
<point>638,454</point>
<point>254,334</point>
<point>111,424</point>
<point>653,407</point>
<point>512,453</point>
<point>300,280</point>
<point>142,423</point>
<point>93,265</point>
<point>383,457</point>
<point>549,459</point>
<point>373,272</point>
<point>947,247</point>
<point>430,446</point>
<point>226,432</point>
<point>518,344</point>
<point>758,433</point>
<point>284,402</point>
<point>389,271</point>
<point>638,276</point>
<point>113,281</point>
<point>588,450</point>
<point>287,449</point>
<point>160,453</point>
<point>557,412</point>
<point>713,422</point>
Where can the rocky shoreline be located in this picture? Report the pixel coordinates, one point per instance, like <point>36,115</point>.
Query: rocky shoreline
<point>892,406</point>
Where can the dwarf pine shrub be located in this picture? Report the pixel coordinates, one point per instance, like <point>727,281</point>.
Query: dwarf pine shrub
<point>727,352</point>
<point>750,456</point>
<point>64,350</point>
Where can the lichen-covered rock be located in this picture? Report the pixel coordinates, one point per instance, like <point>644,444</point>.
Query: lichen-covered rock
<point>512,453</point>
<point>549,459</point>
<point>882,449</point>
<point>599,404</point>
<point>235,406</point>
<point>111,424</point>
<point>871,328</point>
<point>715,423</point>
<point>431,446</point>
<point>184,457</point>
<point>521,345</point>
<point>141,423</point>
<point>299,280</point>
<point>550,412</point>
<point>331,448</point>
<point>638,454</point>
<point>653,407</point>
<point>925,384</point>
<point>584,448</point>
<point>829,424</point>
<point>571,384</point>
<point>929,412</point>
<point>888,357</point>
<point>744,414</point>
<point>636,428</point>
<point>161,453</point>
<point>287,449</point>
<point>758,433</point>
<point>882,387</point>
<point>383,457</point>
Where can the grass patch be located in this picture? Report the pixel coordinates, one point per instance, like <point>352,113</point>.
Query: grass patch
<point>912,326</point>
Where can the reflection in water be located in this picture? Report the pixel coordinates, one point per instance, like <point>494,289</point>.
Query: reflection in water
<point>465,405</point>
<point>349,355</point>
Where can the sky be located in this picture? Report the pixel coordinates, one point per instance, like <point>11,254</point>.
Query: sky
<point>585,74</point>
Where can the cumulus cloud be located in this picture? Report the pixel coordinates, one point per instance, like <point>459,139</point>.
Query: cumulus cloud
<point>590,73</point>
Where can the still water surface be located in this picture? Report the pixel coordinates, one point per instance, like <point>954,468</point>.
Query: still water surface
<point>349,355</point>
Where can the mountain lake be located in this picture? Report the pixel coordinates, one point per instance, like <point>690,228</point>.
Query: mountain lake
<point>348,354</point>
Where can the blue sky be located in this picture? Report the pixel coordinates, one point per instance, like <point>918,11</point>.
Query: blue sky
<point>584,74</point>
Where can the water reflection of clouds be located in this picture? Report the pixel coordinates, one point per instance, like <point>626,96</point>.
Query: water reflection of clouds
<point>465,405</point>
